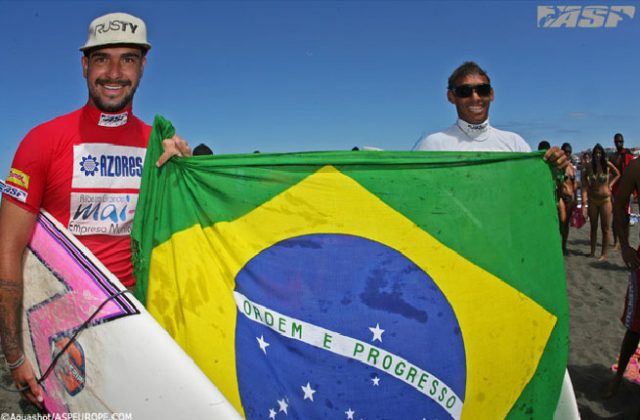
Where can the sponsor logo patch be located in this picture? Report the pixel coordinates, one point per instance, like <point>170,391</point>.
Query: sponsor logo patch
<point>18,177</point>
<point>113,120</point>
<point>89,165</point>
<point>583,16</point>
<point>102,213</point>
<point>70,368</point>
<point>15,192</point>
<point>100,165</point>
<point>116,25</point>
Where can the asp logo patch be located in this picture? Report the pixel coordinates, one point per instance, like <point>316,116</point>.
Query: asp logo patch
<point>15,192</point>
<point>583,16</point>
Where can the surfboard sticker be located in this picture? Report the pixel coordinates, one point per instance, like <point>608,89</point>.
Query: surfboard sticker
<point>121,361</point>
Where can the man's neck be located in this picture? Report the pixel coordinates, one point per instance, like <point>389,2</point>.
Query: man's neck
<point>475,131</point>
<point>108,119</point>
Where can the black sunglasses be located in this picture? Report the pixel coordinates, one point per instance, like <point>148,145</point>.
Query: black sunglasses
<point>464,91</point>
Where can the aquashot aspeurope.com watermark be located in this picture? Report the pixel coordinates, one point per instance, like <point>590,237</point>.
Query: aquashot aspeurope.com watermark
<point>584,16</point>
<point>66,416</point>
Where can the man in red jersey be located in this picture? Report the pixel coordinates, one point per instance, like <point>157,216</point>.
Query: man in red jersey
<point>85,169</point>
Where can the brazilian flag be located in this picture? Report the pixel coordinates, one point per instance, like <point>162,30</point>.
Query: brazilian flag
<point>359,284</point>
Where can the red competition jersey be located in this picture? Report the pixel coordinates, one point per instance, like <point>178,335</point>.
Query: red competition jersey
<point>627,157</point>
<point>85,169</point>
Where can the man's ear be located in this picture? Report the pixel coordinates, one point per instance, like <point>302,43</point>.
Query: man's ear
<point>451,97</point>
<point>85,66</point>
<point>143,63</point>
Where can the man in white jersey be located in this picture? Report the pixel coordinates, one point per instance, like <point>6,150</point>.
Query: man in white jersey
<point>470,91</point>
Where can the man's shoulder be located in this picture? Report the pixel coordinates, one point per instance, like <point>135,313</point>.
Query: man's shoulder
<point>61,122</point>
<point>437,140</point>
<point>507,134</point>
<point>513,141</point>
<point>138,125</point>
<point>137,120</point>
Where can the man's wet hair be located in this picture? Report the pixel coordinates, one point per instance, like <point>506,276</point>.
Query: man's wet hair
<point>467,68</point>
<point>566,146</point>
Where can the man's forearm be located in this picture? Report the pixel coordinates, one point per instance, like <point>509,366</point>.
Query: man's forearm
<point>11,318</point>
<point>621,225</point>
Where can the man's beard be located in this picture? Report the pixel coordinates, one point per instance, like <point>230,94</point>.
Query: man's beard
<point>119,106</point>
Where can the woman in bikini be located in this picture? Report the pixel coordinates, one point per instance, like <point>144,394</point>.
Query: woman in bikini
<point>597,180</point>
<point>567,188</point>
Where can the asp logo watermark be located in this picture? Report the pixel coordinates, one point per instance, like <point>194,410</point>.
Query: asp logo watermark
<point>583,16</point>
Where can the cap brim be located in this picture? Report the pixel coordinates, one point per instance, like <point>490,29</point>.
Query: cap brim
<point>146,47</point>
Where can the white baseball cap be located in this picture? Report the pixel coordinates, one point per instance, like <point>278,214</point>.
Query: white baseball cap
<point>116,28</point>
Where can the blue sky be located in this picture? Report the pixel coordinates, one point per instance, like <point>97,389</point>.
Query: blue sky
<point>280,76</point>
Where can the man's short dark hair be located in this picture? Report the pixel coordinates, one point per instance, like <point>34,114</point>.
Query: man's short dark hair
<point>544,145</point>
<point>143,51</point>
<point>467,68</point>
<point>618,135</point>
<point>201,150</point>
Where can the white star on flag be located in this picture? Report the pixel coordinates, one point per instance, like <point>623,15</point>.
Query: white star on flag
<point>308,391</point>
<point>376,381</point>
<point>272,413</point>
<point>377,332</point>
<point>283,405</point>
<point>350,413</point>
<point>263,344</point>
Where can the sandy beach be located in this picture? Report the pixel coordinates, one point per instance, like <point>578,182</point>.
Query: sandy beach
<point>596,296</point>
<point>596,299</point>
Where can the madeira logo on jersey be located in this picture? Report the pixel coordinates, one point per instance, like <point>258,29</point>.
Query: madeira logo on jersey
<point>99,165</point>
<point>102,213</point>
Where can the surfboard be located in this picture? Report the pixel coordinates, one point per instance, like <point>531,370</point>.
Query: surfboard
<point>96,346</point>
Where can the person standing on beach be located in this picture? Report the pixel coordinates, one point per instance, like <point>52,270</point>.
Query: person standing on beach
<point>620,159</point>
<point>567,188</point>
<point>469,89</point>
<point>631,315</point>
<point>598,178</point>
<point>70,166</point>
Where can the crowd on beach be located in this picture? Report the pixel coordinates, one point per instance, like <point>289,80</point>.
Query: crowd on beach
<point>586,192</point>
<point>600,188</point>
